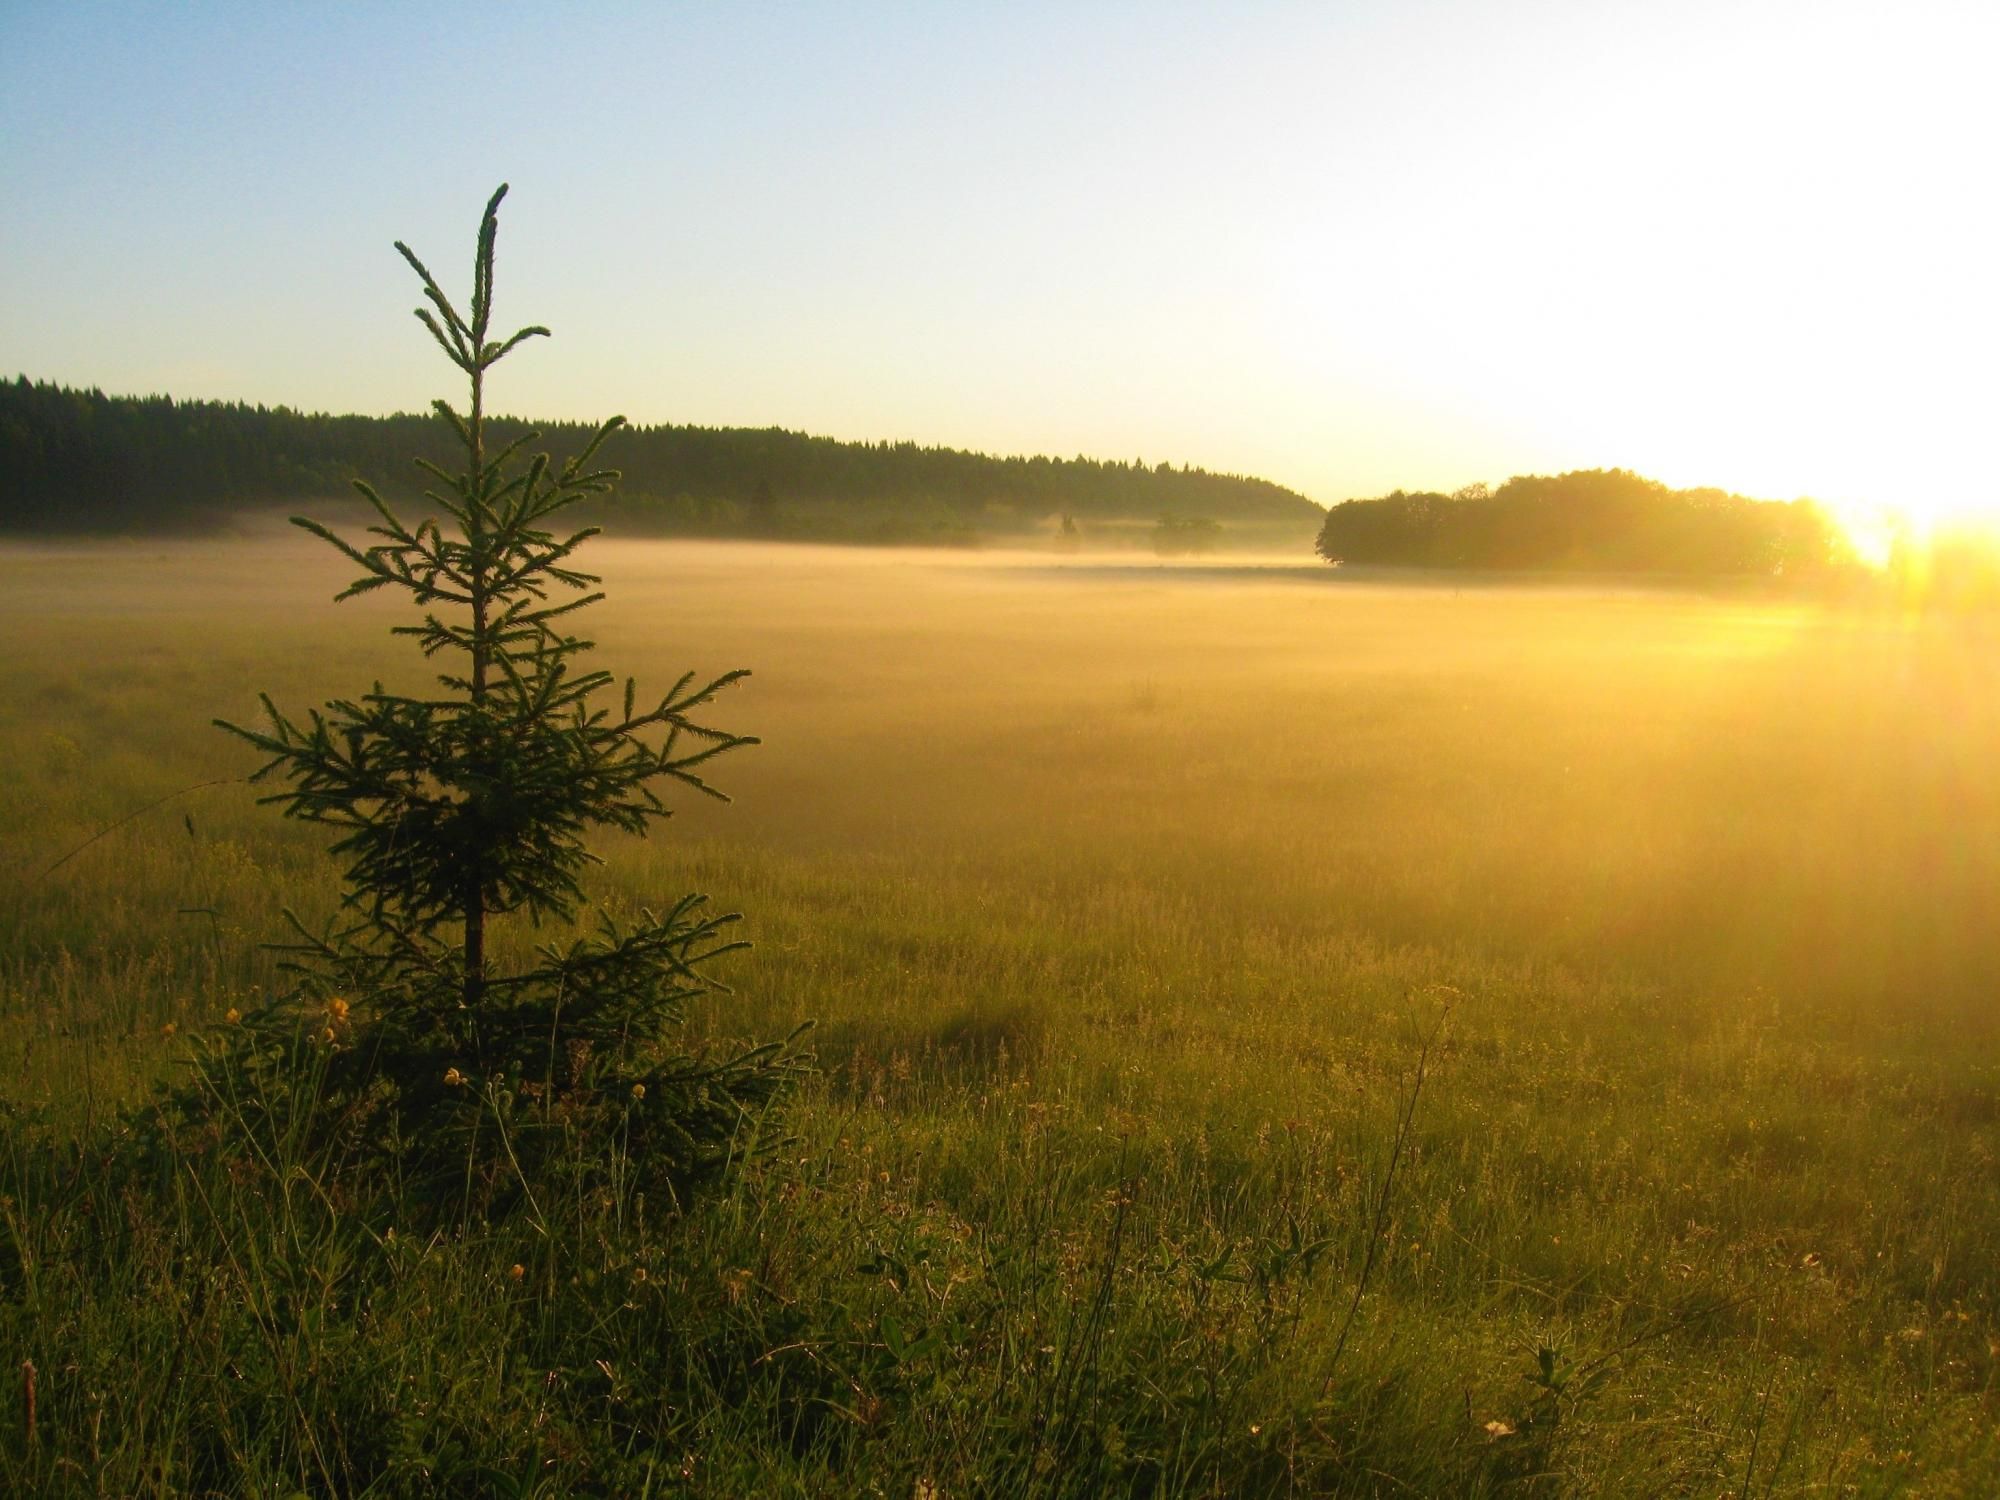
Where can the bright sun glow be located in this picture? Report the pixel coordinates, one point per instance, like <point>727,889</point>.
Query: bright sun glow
<point>1766,266</point>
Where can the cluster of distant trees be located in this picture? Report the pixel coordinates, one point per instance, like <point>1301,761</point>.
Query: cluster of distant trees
<point>1598,520</point>
<point>82,461</point>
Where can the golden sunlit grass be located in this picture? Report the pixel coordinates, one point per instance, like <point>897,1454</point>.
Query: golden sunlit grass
<point>1123,896</point>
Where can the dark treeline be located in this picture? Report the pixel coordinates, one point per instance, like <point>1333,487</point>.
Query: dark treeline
<point>1598,520</point>
<point>75,461</point>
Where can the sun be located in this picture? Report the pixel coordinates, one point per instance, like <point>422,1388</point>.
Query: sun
<point>1893,469</point>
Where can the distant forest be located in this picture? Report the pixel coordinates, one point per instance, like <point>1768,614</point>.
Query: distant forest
<point>1596,520</point>
<point>75,461</point>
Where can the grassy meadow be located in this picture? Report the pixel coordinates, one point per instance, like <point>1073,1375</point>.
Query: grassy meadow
<point>1126,898</point>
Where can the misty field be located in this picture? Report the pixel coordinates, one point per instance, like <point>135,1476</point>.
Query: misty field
<point>1125,899</point>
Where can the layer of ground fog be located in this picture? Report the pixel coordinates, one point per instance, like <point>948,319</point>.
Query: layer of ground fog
<point>1124,896</point>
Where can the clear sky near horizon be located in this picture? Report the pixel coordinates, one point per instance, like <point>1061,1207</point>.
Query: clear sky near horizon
<point>1348,247</point>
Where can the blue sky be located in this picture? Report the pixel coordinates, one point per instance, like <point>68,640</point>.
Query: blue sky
<point>1344,246</point>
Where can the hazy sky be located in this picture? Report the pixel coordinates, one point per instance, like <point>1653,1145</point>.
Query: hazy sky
<point>1345,246</point>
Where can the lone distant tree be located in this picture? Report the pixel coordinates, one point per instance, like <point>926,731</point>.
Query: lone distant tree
<point>1178,536</point>
<point>761,514</point>
<point>472,804</point>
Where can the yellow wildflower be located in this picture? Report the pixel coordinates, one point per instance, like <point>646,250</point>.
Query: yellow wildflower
<point>453,1078</point>
<point>337,1008</point>
<point>638,1091</point>
<point>169,1029</point>
<point>517,1271</point>
<point>232,1015</point>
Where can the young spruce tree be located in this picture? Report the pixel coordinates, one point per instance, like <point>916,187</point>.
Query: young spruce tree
<point>473,804</point>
